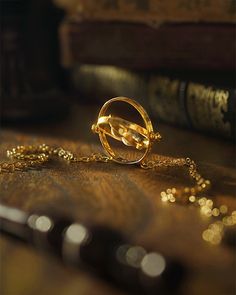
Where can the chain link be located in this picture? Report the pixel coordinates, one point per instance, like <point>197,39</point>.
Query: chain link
<point>33,156</point>
<point>201,184</point>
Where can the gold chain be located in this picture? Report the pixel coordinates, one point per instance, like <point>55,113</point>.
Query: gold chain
<point>33,156</point>
<point>194,195</point>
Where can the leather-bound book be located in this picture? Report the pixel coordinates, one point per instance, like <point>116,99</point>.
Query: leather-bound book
<point>141,46</point>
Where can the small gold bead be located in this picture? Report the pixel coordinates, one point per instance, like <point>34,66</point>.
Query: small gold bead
<point>233,213</point>
<point>169,196</point>
<point>173,190</point>
<point>207,182</point>
<point>188,160</point>
<point>203,185</point>
<point>200,181</point>
<point>202,201</point>
<point>206,211</point>
<point>207,234</point>
<point>192,199</point>
<point>155,136</point>
<point>220,224</point>
<point>158,136</point>
<point>216,239</point>
<point>228,221</point>
<point>215,227</point>
<point>216,212</point>
<point>172,199</point>
<point>234,219</point>
<point>164,197</point>
<point>209,203</point>
<point>223,209</point>
<point>95,128</point>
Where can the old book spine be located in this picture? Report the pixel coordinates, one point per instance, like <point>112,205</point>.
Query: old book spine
<point>199,106</point>
<point>194,105</point>
<point>189,46</point>
<point>147,11</point>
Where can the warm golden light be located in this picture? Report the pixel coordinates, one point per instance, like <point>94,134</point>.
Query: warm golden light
<point>192,199</point>
<point>215,212</point>
<point>40,223</point>
<point>76,233</point>
<point>223,209</point>
<point>153,264</point>
<point>43,223</point>
<point>134,256</point>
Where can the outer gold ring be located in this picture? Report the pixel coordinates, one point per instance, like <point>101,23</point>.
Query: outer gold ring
<point>147,131</point>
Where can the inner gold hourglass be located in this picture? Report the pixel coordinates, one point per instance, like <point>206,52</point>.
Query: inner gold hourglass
<point>120,129</point>
<point>127,132</point>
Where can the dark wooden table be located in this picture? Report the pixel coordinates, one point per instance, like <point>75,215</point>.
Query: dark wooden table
<point>125,197</point>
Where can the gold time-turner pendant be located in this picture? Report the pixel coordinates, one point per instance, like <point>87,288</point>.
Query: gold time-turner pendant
<point>129,133</point>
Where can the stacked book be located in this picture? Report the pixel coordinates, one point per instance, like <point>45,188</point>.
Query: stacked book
<point>176,57</point>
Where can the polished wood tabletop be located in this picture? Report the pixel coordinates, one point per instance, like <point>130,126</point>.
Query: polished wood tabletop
<point>126,198</point>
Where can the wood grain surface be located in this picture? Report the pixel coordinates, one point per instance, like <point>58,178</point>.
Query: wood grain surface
<point>124,197</point>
